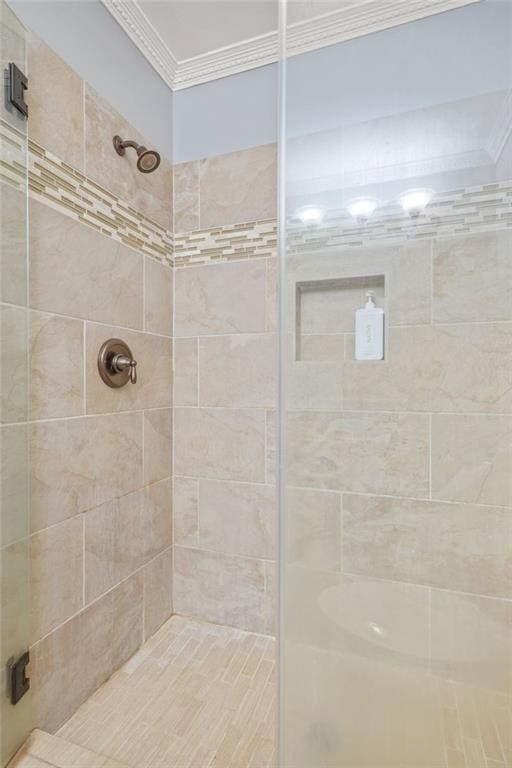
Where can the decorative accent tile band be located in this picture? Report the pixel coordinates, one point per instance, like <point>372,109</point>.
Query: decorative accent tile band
<point>64,188</point>
<point>460,212</point>
<point>464,211</point>
<point>233,242</point>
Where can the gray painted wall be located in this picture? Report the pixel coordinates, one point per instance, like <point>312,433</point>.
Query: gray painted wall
<point>236,112</point>
<point>449,56</point>
<point>88,38</point>
<point>443,58</point>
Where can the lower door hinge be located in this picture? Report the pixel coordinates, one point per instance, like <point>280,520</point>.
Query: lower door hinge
<point>19,683</point>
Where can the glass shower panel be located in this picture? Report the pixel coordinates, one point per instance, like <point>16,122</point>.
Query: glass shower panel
<point>15,720</point>
<point>396,546</point>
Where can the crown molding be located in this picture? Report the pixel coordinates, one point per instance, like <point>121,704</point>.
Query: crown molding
<point>130,16</point>
<point>360,17</point>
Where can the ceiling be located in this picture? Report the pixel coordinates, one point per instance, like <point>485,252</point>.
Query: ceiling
<point>195,27</point>
<point>194,41</point>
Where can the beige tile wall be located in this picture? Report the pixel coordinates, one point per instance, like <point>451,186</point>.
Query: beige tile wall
<point>226,189</point>
<point>225,396</point>
<point>101,459</point>
<point>399,518</point>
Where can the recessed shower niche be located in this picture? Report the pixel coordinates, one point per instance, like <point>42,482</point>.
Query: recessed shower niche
<point>325,315</point>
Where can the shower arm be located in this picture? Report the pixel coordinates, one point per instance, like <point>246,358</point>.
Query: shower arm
<point>121,145</point>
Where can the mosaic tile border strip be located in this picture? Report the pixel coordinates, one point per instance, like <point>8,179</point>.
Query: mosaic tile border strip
<point>461,212</point>
<point>464,211</point>
<point>233,242</point>
<point>67,190</point>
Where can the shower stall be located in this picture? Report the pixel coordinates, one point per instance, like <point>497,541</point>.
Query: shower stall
<point>314,443</point>
<point>396,567</point>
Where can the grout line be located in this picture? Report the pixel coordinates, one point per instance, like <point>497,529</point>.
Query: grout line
<point>233,555</point>
<point>83,560</point>
<point>100,597</point>
<point>198,369</point>
<point>143,453</point>
<point>144,293</point>
<point>430,456</point>
<point>129,329</point>
<point>84,364</point>
<point>430,588</point>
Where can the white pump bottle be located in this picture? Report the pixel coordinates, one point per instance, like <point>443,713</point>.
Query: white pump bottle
<point>370,331</point>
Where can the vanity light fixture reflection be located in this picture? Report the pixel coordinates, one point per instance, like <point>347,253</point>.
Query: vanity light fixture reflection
<point>362,208</point>
<point>414,201</point>
<point>311,214</point>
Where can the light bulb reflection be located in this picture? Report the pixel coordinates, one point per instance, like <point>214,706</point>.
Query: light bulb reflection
<point>376,629</point>
<point>414,201</point>
<point>362,208</point>
<point>310,214</point>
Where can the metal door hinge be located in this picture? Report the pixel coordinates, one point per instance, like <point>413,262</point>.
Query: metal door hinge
<point>18,84</point>
<point>19,683</point>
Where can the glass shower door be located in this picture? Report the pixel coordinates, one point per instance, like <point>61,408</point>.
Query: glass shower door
<point>15,719</point>
<point>396,458</point>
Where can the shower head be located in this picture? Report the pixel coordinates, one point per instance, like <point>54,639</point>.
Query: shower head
<point>148,159</point>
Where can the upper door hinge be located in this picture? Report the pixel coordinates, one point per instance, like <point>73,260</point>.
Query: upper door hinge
<point>18,84</point>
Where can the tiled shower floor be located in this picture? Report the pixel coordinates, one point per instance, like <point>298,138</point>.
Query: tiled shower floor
<point>196,695</point>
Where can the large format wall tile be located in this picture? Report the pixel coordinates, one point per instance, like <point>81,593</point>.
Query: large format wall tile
<point>154,372</point>
<point>56,570</point>
<point>158,297</point>
<point>14,342</point>
<point>238,371</point>
<point>221,588</point>
<point>454,368</point>
<point>471,640</point>
<point>473,278</point>
<point>361,452</point>
<point>185,511</point>
<point>73,470</point>
<point>472,458</point>
<point>157,580</point>
<point>68,665</point>
<point>185,377</point>
<point>237,518</point>
<point>127,619</point>
<point>272,293</point>
<point>157,518</point>
<point>238,187</point>
<point>56,103</point>
<point>453,546</point>
<point>157,444</point>
<point>124,534</point>
<point>56,366</point>
<point>114,543</point>
<point>77,271</point>
<point>219,299</point>
<point>313,529</point>
<point>220,443</point>
<point>15,485</point>
<point>149,193</point>
<point>271,597</point>
<point>13,256</point>
<point>313,386</point>
<point>186,196</point>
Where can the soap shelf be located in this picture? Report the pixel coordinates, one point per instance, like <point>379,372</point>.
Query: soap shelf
<point>326,308</point>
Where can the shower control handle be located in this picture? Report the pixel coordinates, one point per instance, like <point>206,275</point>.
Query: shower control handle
<point>121,362</point>
<point>116,364</point>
